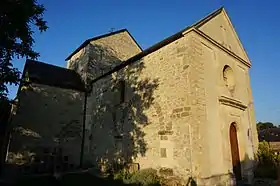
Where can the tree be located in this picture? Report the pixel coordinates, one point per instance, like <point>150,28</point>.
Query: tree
<point>265,125</point>
<point>18,18</point>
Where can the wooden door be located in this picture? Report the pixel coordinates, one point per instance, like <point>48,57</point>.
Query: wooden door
<point>235,152</point>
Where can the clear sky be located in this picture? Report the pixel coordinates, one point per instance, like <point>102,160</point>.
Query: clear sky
<point>149,21</point>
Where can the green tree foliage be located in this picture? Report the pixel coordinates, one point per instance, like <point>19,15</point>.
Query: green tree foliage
<point>18,18</point>
<point>268,161</point>
<point>265,125</point>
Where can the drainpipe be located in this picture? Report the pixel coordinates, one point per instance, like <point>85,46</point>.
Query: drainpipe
<point>87,91</point>
<point>84,129</point>
<point>191,163</point>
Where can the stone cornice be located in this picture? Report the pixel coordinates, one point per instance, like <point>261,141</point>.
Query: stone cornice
<point>211,40</point>
<point>232,102</point>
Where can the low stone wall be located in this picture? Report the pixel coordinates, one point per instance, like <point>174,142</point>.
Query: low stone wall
<point>265,182</point>
<point>217,180</point>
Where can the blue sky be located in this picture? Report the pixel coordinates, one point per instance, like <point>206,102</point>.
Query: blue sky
<point>256,22</point>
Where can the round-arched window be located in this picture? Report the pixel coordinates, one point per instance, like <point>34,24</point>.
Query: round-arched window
<point>228,77</point>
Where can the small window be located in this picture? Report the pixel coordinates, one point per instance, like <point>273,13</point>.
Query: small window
<point>119,92</point>
<point>122,91</point>
<point>163,153</point>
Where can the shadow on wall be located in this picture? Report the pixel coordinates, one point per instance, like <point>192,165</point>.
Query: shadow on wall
<point>95,61</point>
<point>115,108</point>
<point>46,130</point>
<point>117,113</point>
<point>120,116</point>
<point>248,166</point>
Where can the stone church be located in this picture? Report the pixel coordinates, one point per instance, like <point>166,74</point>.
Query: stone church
<point>183,106</point>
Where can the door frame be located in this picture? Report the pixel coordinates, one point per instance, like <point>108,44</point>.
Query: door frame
<point>235,151</point>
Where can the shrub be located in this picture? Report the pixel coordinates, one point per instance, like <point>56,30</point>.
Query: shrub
<point>145,177</point>
<point>122,175</point>
<point>268,162</point>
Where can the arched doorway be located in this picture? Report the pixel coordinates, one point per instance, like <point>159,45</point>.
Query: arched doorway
<point>235,151</point>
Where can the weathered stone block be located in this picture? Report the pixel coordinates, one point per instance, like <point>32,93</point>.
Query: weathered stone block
<point>187,108</point>
<point>169,126</point>
<point>177,110</point>
<point>184,114</point>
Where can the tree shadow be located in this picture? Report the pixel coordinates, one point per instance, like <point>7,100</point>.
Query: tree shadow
<point>46,131</point>
<point>48,126</point>
<point>116,106</point>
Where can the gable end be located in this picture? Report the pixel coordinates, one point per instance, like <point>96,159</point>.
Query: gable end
<point>85,43</point>
<point>219,27</point>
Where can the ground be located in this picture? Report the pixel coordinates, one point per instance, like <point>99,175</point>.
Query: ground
<point>87,179</point>
<point>67,180</point>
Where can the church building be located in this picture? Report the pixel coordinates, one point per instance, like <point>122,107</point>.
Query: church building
<point>184,106</point>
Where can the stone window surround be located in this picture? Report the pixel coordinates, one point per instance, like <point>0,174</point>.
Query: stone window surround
<point>228,77</point>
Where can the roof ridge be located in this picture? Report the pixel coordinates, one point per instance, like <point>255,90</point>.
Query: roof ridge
<point>208,17</point>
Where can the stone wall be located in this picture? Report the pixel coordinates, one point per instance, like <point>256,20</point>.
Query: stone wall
<point>158,124</point>
<point>47,119</point>
<point>217,180</point>
<point>101,55</point>
<point>79,62</point>
<point>172,116</point>
<point>225,106</point>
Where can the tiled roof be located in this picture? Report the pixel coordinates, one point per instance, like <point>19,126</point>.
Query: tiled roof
<point>271,134</point>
